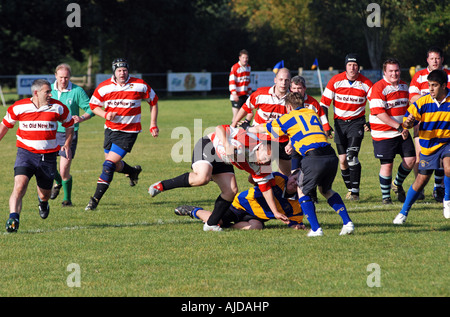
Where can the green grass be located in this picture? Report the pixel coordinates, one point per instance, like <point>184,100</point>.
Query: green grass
<point>134,245</point>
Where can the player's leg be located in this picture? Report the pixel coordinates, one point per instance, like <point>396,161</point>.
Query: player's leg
<point>354,145</point>
<point>228,187</point>
<point>66,181</point>
<point>413,194</point>
<point>104,181</point>
<point>385,178</point>
<point>446,200</point>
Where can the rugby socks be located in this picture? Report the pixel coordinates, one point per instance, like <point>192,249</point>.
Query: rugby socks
<point>346,177</point>
<point>126,169</point>
<point>355,177</point>
<point>309,210</point>
<point>105,179</point>
<point>411,197</point>
<point>338,205</point>
<point>58,178</point>
<point>176,182</point>
<point>439,178</point>
<point>402,173</point>
<point>14,215</point>
<point>194,213</point>
<point>220,208</point>
<point>67,187</point>
<point>447,188</point>
<point>385,185</point>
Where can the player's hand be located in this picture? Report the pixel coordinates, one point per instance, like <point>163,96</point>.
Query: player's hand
<point>154,130</point>
<point>110,116</point>
<point>282,217</point>
<point>329,133</point>
<point>405,134</point>
<point>409,122</point>
<point>367,126</point>
<point>244,125</point>
<point>288,149</point>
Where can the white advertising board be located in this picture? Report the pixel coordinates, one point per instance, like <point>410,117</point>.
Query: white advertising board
<point>188,82</point>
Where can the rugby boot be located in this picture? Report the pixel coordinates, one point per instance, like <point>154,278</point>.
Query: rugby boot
<point>44,209</point>
<point>134,177</point>
<point>92,205</point>
<point>12,225</point>
<point>55,191</point>
<point>186,210</point>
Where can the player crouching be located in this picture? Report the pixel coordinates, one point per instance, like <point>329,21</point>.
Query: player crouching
<point>249,210</point>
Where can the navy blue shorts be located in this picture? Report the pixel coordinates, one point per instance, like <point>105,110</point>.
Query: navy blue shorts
<point>41,165</point>
<point>61,139</point>
<point>319,169</point>
<point>388,149</point>
<point>434,161</point>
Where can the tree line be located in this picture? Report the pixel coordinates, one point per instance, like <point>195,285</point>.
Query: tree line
<point>182,36</point>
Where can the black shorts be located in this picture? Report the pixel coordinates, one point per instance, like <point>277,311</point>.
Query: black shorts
<point>204,152</point>
<point>123,140</point>
<point>238,104</point>
<point>345,130</point>
<point>319,169</point>
<point>61,139</point>
<point>41,165</point>
<point>234,215</point>
<point>388,149</point>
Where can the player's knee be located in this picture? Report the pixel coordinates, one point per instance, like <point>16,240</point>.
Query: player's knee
<point>108,171</point>
<point>352,156</point>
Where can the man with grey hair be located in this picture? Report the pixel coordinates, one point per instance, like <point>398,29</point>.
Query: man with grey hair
<point>37,146</point>
<point>75,98</point>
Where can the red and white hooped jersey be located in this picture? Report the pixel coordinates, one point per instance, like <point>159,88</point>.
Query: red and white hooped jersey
<point>312,103</point>
<point>125,101</point>
<point>349,98</point>
<point>267,105</point>
<point>245,160</point>
<point>239,80</point>
<point>419,82</point>
<point>387,98</point>
<point>37,126</point>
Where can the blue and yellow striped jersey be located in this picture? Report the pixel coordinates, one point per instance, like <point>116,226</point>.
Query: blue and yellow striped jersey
<point>434,126</point>
<point>303,128</point>
<point>253,202</point>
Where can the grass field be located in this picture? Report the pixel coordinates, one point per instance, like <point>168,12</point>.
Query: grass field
<point>134,245</point>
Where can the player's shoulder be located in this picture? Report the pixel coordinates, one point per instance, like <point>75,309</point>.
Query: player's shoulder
<point>262,90</point>
<point>364,79</point>
<point>54,102</point>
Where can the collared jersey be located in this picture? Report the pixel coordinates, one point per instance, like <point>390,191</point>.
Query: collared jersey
<point>392,100</point>
<point>75,98</point>
<point>419,82</point>
<point>239,80</point>
<point>349,98</point>
<point>434,126</point>
<point>303,128</point>
<point>267,105</point>
<point>37,126</point>
<point>252,201</point>
<point>125,101</point>
<point>246,160</point>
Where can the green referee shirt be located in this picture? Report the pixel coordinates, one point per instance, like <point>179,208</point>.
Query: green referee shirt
<point>75,98</point>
